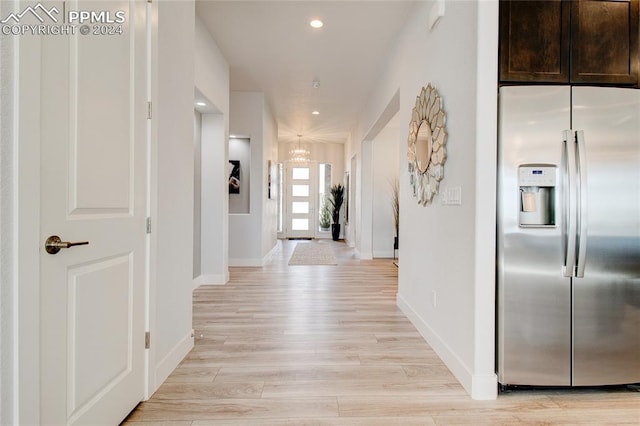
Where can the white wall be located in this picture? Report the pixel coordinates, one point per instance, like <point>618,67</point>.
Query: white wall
<point>211,70</point>
<point>251,118</point>
<point>172,234</point>
<point>197,196</point>
<point>215,201</point>
<point>364,237</point>
<point>448,251</point>
<point>385,162</point>
<point>331,153</point>
<point>270,210</point>
<point>212,85</point>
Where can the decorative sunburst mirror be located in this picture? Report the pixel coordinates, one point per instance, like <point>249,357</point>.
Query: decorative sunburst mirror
<point>426,152</point>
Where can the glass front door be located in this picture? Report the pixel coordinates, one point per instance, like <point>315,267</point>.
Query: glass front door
<point>300,200</point>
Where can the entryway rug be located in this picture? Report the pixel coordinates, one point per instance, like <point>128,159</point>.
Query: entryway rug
<point>313,254</point>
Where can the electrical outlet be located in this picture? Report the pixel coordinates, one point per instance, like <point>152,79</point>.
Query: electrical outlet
<point>434,298</point>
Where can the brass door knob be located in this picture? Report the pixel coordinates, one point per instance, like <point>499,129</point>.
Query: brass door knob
<point>54,244</point>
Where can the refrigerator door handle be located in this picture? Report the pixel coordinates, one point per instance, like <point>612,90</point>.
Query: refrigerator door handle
<point>582,204</point>
<point>569,203</point>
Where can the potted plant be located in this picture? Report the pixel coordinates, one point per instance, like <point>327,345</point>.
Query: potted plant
<point>325,214</point>
<point>336,200</point>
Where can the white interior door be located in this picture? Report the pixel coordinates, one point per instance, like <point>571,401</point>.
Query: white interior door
<point>301,200</point>
<point>93,162</point>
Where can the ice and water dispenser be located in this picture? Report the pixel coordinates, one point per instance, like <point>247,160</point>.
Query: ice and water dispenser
<point>537,185</point>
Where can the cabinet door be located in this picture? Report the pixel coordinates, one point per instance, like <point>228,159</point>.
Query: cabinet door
<point>534,41</point>
<point>604,36</point>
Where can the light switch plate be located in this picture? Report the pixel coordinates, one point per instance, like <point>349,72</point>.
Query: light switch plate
<point>452,196</point>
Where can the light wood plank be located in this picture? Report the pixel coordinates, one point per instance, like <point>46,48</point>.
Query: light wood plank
<point>308,338</point>
<point>430,373</point>
<point>390,374</point>
<point>291,389</point>
<point>338,421</point>
<point>192,375</point>
<point>217,359</point>
<point>438,406</point>
<point>206,391</point>
<point>213,409</point>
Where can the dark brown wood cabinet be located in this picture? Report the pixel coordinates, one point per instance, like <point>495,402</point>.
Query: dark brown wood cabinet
<point>569,41</point>
<point>534,40</point>
<point>604,35</point>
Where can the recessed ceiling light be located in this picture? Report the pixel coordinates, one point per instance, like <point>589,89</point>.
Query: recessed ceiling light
<point>201,104</point>
<point>316,113</point>
<point>316,23</point>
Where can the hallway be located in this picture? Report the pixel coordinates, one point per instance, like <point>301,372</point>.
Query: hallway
<point>326,345</point>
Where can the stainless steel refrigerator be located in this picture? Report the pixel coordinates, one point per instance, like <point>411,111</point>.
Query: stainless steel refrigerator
<point>568,260</point>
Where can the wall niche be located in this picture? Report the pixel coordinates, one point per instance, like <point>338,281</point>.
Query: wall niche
<point>239,175</point>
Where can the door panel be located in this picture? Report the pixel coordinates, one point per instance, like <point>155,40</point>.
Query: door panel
<point>534,305</point>
<point>93,188</point>
<point>103,126</point>
<point>106,285</point>
<point>607,300</point>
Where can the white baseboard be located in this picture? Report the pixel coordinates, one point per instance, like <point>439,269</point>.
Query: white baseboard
<point>366,256</point>
<point>254,262</point>
<point>480,387</point>
<point>270,255</point>
<point>484,387</point>
<point>245,262</point>
<point>214,279</point>
<point>169,363</point>
<point>386,254</point>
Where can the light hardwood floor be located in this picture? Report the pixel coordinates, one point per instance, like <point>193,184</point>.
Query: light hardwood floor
<point>326,345</point>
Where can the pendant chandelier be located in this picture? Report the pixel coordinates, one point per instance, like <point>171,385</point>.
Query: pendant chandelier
<point>299,154</point>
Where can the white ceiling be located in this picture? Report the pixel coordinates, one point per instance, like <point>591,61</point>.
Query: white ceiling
<point>271,48</point>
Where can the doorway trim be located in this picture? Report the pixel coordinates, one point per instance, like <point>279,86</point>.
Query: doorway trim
<point>353,209</point>
<point>366,210</point>
<point>26,225</point>
<point>214,222</point>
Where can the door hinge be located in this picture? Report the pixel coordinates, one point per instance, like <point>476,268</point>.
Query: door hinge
<point>147,340</point>
<point>148,225</point>
<point>149,110</point>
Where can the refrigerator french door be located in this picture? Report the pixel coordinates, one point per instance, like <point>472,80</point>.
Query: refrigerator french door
<point>568,261</point>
